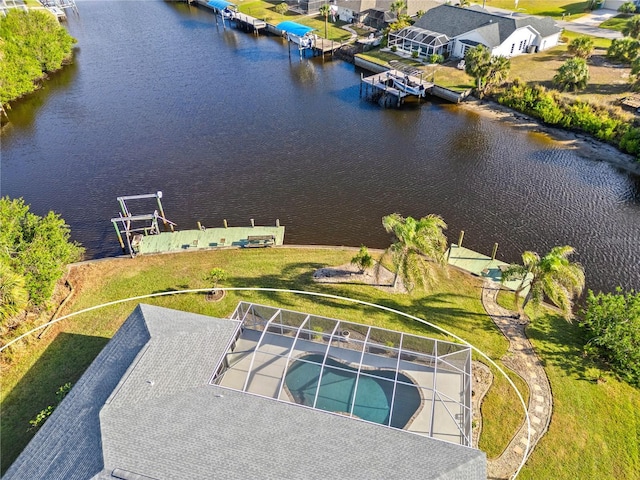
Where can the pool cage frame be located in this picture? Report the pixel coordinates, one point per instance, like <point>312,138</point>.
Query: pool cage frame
<point>327,334</point>
<point>425,42</point>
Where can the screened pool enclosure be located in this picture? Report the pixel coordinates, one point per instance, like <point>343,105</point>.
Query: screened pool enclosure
<point>423,41</point>
<point>395,379</point>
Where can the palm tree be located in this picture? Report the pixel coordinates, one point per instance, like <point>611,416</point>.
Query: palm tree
<point>552,275</point>
<point>324,11</point>
<point>13,295</point>
<point>632,28</point>
<point>415,240</point>
<point>581,47</point>
<point>398,7</point>
<point>572,74</point>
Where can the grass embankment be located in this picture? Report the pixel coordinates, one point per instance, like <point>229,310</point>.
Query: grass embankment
<point>616,23</point>
<point>595,428</point>
<point>266,11</point>
<point>63,354</point>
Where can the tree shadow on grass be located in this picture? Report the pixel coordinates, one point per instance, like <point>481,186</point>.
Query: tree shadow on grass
<point>64,360</point>
<point>559,344</point>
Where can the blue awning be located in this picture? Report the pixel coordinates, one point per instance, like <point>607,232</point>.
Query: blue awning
<point>220,4</point>
<point>294,28</point>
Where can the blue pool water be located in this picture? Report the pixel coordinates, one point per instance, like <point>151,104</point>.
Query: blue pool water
<point>337,388</point>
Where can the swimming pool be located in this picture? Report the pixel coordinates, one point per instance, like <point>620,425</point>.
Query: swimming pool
<point>373,397</point>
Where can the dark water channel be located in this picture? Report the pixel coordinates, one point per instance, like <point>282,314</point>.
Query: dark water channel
<point>227,126</point>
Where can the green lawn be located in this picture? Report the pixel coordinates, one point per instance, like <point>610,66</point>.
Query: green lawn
<point>594,429</point>
<point>550,8</point>
<point>29,385</point>
<point>266,11</point>
<point>616,23</point>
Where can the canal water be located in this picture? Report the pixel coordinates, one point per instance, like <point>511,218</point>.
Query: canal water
<point>227,125</point>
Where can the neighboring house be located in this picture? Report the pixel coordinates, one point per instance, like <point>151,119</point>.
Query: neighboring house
<point>377,13</point>
<point>616,4</point>
<point>451,31</point>
<point>150,406</point>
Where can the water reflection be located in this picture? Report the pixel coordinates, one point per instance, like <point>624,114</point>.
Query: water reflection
<point>229,126</point>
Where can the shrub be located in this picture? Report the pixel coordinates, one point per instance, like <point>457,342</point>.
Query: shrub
<point>624,49</point>
<point>572,75</point>
<point>614,321</point>
<point>363,259</point>
<point>415,53</point>
<point>630,141</point>
<point>581,47</point>
<point>627,8</point>
<point>37,248</point>
<point>436,58</point>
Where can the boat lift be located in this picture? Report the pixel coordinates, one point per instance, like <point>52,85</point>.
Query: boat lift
<point>124,224</point>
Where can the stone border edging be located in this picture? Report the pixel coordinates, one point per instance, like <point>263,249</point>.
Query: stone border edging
<point>521,359</point>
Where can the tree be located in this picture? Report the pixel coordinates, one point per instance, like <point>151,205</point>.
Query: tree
<point>33,43</point>
<point>418,244</point>
<point>572,75</point>
<point>324,11</point>
<point>613,320</point>
<point>282,8</point>
<point>632,28</point>
<point>624,49</point>
<point>402,20</point>
<point>552,275</point>
<point>37,248</point>
<point>581,47</point>
<point>13,295</point>
<point>215,276</point>
<point>397,7</point>
<point>627,8</point>
<point>363,259</point>
<point>487,70</point>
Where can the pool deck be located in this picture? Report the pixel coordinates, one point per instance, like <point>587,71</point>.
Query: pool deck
<point>481,266</point>
<point>272,358</point>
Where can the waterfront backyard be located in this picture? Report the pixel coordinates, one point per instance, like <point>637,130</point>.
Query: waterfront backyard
<point>594,425</point>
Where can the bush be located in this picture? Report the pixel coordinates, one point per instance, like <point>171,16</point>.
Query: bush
<point>614,321</point>
<point>415,54</point>
<point>436,58</point>
<point>394,48</point>
<point>363,259</point>
<point>33,43</point>
<point>630,141</point>
<point>36,248</point>
<point>624,49</point>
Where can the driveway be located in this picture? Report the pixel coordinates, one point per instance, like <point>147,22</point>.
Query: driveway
<point>589,24</point>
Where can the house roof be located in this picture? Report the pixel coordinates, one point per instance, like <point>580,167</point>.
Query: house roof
<point>456,21</point>
<point>146,408</point>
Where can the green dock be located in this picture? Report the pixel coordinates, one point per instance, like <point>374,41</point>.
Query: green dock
<point>208,238</point>
<point>481,265</point>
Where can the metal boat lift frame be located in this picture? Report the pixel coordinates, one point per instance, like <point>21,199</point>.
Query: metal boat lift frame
<point>123,223</point>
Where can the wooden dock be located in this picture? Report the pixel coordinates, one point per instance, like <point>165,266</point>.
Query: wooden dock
<point>209,238</point>
<point>482,266</point>
<point>249,24</point>
<point>380,88</point>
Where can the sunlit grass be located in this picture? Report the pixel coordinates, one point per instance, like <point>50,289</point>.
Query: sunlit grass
<point>266,11</point>
<point>29,385</point>
<point>550,8</point>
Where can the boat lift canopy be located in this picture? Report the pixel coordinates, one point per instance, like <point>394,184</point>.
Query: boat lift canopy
<point>292,27</point>
<point>220,4</point>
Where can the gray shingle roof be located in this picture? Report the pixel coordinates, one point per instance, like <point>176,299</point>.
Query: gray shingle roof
<point>455,21</point>
<point>145,409</point>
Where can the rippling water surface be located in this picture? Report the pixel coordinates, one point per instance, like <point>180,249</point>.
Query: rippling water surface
<point>228,126</point>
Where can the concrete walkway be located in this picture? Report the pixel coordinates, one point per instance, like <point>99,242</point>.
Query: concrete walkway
<point>522,359</point>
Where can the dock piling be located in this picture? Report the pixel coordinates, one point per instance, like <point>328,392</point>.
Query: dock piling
<point>460,238</point>
<point>224,222</point>
<point>495,250</point>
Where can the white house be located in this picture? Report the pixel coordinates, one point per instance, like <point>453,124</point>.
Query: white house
<point>466,28</point>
